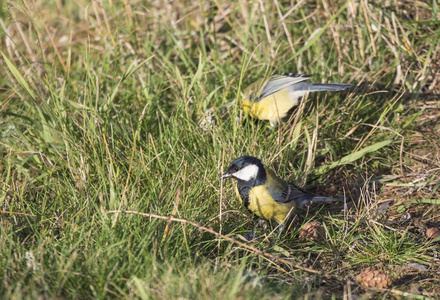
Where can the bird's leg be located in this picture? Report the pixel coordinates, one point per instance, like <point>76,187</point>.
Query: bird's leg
<point>251,235</point>
<point>259,223</point>
<point>280,230</point>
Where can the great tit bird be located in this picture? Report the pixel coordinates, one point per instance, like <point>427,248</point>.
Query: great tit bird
<point>266,195</point>
<point>272,99</point>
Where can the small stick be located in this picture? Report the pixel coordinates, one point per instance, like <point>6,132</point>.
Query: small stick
<point>218,235</point>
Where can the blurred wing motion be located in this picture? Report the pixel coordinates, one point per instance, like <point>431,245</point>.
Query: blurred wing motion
<point>278,82</point>
<point>273,98</point>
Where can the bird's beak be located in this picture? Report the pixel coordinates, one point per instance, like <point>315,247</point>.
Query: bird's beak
<point>226,175</point>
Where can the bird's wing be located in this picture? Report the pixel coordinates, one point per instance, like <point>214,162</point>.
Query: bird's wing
<point>302,197</point>
<point>284,192</point>
<point>279,82</point>
<point>281,191</point>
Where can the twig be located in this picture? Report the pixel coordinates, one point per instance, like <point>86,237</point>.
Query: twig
<point>217,235</point>
<point>15,213</point>
<point>400,293</point>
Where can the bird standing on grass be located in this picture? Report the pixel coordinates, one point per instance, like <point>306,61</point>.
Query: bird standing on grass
<point>266,195</point>
<point>271,99</point>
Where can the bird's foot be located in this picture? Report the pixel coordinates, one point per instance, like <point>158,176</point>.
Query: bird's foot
<point>250,236</point>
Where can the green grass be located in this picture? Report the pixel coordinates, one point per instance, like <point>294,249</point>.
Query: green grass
<point>102,109</point>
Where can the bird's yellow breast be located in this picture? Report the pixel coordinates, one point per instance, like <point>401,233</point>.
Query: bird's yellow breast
<point>273,107</point>
<point>264,206</point>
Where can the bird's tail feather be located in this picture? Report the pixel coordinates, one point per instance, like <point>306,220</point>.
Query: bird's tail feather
<point>330,86</point>
<point>320,87</point>
<point>306,199</point>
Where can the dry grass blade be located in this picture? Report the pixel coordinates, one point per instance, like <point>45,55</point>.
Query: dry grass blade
<point>312,40</point>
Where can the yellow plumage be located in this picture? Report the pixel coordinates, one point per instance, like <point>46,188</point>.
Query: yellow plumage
<point>272,99</point>
<point>273,107</point>
<point>262,203</point>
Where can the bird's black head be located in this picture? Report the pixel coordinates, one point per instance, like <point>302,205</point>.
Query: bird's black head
<point>247,169</point>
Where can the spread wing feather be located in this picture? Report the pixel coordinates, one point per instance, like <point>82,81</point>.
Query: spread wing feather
<point>279,82</point>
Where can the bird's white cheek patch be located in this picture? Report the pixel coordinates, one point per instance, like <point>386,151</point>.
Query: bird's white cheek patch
<point>247,173</point>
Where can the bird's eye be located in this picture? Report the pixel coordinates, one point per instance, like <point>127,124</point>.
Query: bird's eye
<point>235,169</point>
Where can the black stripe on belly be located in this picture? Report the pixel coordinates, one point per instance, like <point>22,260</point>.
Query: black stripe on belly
<point>244,190</point>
